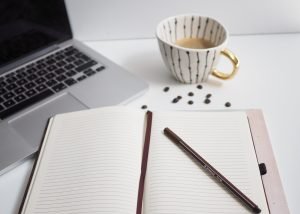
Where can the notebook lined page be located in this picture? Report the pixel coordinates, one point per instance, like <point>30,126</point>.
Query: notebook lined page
<point>175,183</point>
<point>90,163</point>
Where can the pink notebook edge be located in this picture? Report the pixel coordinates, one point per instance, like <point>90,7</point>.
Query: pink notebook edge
<point>271,180</point>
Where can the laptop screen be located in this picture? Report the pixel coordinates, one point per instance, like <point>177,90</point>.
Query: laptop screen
<point>27,26</point>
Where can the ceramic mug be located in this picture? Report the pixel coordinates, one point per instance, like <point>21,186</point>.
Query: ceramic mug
<point>194,65</point>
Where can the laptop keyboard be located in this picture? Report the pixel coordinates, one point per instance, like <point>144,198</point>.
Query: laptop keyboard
<point>43,78</point>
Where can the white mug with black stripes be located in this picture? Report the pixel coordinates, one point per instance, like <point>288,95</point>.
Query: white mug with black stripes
<point>191,46</point>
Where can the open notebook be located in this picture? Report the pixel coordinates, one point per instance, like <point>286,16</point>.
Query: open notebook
<point>90,162</point>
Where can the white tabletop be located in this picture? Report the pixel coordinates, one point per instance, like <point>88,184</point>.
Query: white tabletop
<point>268,79</point>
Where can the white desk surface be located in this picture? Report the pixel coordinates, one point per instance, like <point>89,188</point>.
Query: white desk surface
<point>268,79</point>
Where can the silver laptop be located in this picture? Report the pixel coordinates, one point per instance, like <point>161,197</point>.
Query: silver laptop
<point>44,71</point>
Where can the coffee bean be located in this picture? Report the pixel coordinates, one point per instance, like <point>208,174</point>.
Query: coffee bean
<point>191,94</point>
<point>199,86</point>
<point>166,89</point>
<point>227,104</point>
<point>144,107</point>
<point>190,102</point>
<point>179,97</point>
<point>207,101</point>
<point>208,95</point>
<point>175,100</point>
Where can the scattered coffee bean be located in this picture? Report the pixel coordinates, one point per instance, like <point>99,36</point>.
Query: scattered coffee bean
<point>207,101</point>
<point>166,89</point>
<point>227,104</point>
<point>208,95</point>
<point>190,102</point>
<point>175,100</point>
<point>191,94</point>
<point>179,97</point>
<point>199,86</point>
<point>144,107</point>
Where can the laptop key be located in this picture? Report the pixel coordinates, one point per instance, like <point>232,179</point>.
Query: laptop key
<point>19,90</point>
<point>30,93</point>
<point>70,73</point>
<point>31,70</point>
<point>81,78</point>
<point>41,66</point>
<point>86,66</point>
<point>78,62</point>
<point>70,81</point>
<point>70,59</point>
<point>59,87</point>
<point>61,78</point>
<point>11,86</point>
<point>8,95</point>
<point>41,87</point>
<point>19,98</point>
<point>89,72</point>
<point>22,81</point>
<point>100,68</point>
<point>1,108</point>
<point>11,79</point>
<point>51,68</point>
<point>40,80</point>
<point>69,66</point>
<point>32,77</point>
<point>51,82</point>
<point>38,97</point>
<point>8,103</point>
<point>61,63</point>
<point>2,91</point>
<point>41,72</point>
<point>29,85</point>
<point>2,84</point>
<point>50,75</point>
<point>59,71</point>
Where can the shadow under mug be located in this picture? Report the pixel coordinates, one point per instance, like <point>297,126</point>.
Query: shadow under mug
<point>190,65</point>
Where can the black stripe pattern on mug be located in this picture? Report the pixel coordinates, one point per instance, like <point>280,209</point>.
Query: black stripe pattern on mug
<point>179,66</point>
<point>175,22</point>
<point>184,27</point>
<point>205,28</point>
<point>192,21</point>
<point>198,27</point>
<point>205,68</point>
<point>211,31</point>
<point>198,64</point>
<point>189,65</point>
<point>173,64</point>
<point>170,32</point>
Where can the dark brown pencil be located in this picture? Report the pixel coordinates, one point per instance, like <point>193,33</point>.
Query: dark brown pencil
<point>178,141</point>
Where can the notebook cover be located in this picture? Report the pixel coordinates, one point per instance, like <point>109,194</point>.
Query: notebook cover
<point>275,196</point>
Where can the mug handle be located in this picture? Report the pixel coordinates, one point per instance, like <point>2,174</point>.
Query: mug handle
<point>235,63</point>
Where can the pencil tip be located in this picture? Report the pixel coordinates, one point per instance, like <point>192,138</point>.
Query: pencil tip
<point>256,210</point>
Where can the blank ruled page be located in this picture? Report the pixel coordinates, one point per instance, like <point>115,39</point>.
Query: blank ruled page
<point>175,183</point>
<point>89,164</point>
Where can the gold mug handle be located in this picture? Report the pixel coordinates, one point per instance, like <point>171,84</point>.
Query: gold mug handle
<point>235,63</point>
